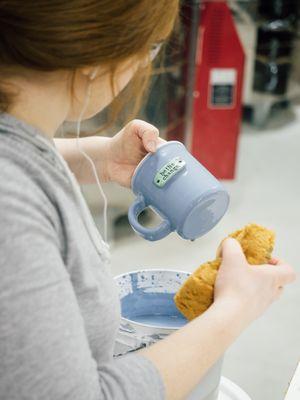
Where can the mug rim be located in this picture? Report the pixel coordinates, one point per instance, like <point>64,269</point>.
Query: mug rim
<point>143,160</point>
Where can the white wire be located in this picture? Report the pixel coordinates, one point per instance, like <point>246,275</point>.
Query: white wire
<point>88,158</point>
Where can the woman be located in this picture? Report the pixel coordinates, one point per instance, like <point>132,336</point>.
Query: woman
<point>59,310</point>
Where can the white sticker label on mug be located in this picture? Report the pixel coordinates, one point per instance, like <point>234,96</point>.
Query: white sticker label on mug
<point>168,171</point>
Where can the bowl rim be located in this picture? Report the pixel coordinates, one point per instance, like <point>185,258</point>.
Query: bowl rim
<point>150,270</point>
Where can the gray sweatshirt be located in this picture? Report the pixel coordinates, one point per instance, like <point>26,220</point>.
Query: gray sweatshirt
<point>59,308</point>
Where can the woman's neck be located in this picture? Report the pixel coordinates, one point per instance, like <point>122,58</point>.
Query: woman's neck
<point>42,106</point>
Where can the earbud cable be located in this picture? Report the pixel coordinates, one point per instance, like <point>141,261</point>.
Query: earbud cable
<point>91,162</point>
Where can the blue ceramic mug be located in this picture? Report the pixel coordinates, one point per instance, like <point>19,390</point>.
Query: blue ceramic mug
<point>188,198</point>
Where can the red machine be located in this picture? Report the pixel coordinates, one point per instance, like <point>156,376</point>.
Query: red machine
<point>217,91</point>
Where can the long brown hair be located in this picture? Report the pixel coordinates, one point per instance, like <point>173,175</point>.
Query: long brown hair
<point>51,35</point>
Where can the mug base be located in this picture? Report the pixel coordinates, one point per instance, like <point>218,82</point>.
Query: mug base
<point>204,214</point>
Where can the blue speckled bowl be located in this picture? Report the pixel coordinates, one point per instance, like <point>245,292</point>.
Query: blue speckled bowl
<point>147,292</point>
<point>151,291</point>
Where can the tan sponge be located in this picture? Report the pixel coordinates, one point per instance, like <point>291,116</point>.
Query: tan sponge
<point>196,294</point>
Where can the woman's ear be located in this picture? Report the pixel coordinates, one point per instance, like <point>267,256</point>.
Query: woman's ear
<point>90,72</point>
<point>93,75</point>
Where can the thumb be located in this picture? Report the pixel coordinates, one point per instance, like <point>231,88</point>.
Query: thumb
<point>232,252</point>
<point>148,134</point>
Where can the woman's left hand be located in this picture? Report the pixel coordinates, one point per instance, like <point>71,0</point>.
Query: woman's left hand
<point>128,147</point>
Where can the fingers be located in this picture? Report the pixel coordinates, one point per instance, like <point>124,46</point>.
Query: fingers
<point>232,253</point>
<point>282,273</point>
<point>274,261</point>
<point>285,274</point>
<point>149,139</point>
<point>284,270</point>
<point>147,132</point>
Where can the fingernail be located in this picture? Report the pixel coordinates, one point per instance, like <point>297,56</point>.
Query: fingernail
<point>151,146</point>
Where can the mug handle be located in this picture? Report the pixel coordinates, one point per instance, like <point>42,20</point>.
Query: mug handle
<point>159,232</point>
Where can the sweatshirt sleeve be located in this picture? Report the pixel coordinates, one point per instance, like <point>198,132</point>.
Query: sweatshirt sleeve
<point>44,350</point>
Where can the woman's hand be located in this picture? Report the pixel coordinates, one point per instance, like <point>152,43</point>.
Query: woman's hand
<point>249,288</point>
<point>115,158</point>
<point>127,148</point>
<point>242,293</point>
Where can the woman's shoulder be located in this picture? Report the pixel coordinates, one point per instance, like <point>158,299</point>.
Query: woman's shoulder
<point>16,178</point>
<point>27,169</point>
<point>23,189</point>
